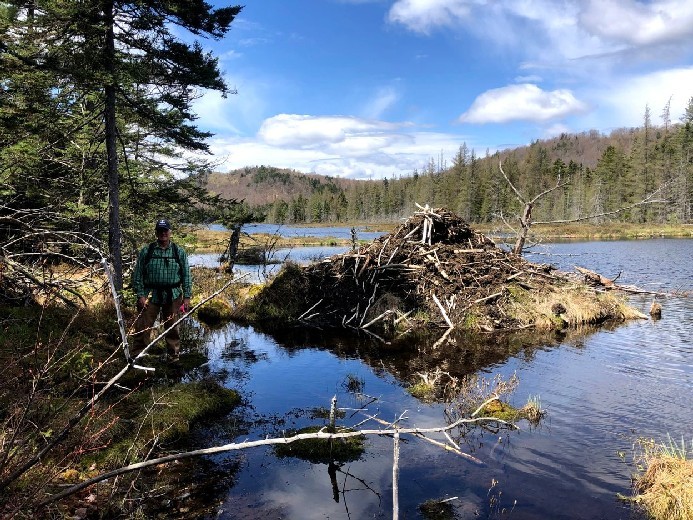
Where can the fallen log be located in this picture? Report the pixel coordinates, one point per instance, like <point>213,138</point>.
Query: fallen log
<point>593,278</point>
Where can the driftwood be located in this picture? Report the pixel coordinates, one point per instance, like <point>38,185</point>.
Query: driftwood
<point>392,429</point>
<point>597,280</point>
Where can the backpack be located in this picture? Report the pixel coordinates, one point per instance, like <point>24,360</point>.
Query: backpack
<point>176,256</point>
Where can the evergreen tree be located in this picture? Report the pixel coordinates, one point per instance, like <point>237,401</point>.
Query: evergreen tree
<point>128,59</point>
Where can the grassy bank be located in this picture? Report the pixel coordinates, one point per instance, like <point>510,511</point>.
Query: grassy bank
<point>54,361</point>
<point>663,488</point>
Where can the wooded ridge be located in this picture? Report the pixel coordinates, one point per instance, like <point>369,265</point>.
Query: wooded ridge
<point>602,173</point>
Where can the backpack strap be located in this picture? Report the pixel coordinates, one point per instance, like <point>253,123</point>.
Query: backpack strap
<point>150,253</point>
<point>148,258</point>
<point>176,255</point>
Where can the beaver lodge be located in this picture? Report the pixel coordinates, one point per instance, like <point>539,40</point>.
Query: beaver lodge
<point>433,271</point>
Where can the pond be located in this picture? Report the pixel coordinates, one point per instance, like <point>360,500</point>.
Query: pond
<point>287,231</point>
<point>601,389</point>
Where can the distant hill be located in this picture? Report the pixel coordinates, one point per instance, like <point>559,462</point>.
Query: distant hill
<point>263,185</point>
<point>603,174</point>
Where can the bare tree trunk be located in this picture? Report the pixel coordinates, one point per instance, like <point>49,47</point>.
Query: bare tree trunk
<point>233,246</point>
<point>114,231</point>
<point>525,223</point>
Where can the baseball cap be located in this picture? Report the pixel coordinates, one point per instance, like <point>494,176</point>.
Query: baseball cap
<point>162,224</point>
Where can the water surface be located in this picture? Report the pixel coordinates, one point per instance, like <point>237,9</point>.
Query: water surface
<point>602,389</point>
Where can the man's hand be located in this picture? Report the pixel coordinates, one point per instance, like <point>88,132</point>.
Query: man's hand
<point>186,304</point>
<point>142,302</point>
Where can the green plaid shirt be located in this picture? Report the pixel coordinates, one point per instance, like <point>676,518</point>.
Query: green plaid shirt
<point>162,271</point>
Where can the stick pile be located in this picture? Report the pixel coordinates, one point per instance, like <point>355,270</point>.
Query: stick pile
<point>434,264</point>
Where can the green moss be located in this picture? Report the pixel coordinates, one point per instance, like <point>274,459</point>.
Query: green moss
<point>215,311</point>
<point>471,320</point>
<point>163,415</point>
<point>500,410</point>
<point>282,301</point>
<point>518,294</point>
<point>423,391</point>
<point>531,412</point>
<point>322,450</point>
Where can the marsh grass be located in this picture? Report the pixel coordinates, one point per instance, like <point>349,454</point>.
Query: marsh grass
<point>437,510</point>
<point>580,306</point>
<point>209,241</point>
<point>664,487</point>
<point>353,383</point>
<point>532,410</point>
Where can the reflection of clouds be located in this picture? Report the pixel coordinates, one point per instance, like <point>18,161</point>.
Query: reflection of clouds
<point>302,490</point>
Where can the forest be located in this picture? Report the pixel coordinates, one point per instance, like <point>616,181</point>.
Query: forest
<point>605,175</point>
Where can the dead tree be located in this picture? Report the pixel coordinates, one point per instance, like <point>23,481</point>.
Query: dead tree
<point>526,218</point>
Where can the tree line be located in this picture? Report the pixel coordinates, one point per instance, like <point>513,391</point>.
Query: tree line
<point>95,117</point>
<point>599,174</point>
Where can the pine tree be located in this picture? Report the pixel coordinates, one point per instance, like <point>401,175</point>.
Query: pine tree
<point>142,69</point>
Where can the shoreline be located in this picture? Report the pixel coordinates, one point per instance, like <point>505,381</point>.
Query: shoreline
<point>213,241</point>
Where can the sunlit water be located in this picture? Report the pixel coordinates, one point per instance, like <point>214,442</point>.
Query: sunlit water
<point>601,391</point>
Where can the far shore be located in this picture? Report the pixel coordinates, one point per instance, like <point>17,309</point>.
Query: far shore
<point>214,241</point>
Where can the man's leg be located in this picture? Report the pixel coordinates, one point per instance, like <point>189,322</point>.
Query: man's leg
<point>170,313</point>
<point>143,327</point>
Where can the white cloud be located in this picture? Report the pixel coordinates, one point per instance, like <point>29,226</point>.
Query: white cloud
<point>522,102</point>
<point>212,108</point>
<point>533,78</point>
<point>639,23</point>
<point>384,99</point>
<point>624,101</point>
<point>556,129</point>
<point>336,146</point>
<point>424,15</point>
<point>292,130</point>
<point>547,30</point>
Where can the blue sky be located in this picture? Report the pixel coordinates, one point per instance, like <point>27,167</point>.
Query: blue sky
<point>378,88</point>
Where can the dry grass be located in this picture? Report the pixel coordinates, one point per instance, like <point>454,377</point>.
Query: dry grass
<point>612,230</point>
<point>210,241</point>
<point>664,490</point>
<point>577,305</point>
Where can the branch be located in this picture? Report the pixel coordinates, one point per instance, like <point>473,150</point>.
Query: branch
<point>517,193</point>
<point>265,442</point>
<point>559,184</point>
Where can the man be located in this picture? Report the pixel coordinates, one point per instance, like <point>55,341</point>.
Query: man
<point>163,285</point>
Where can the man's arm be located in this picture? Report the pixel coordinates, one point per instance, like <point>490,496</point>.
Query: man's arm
<point>186,278</point>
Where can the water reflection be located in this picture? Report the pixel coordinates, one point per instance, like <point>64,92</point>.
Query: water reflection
<point>601,387</point>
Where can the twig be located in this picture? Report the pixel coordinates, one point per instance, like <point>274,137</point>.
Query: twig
<point>389,311</point>
<point>442,310</point>
<point>453,449</point>
<point>313,307</point>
